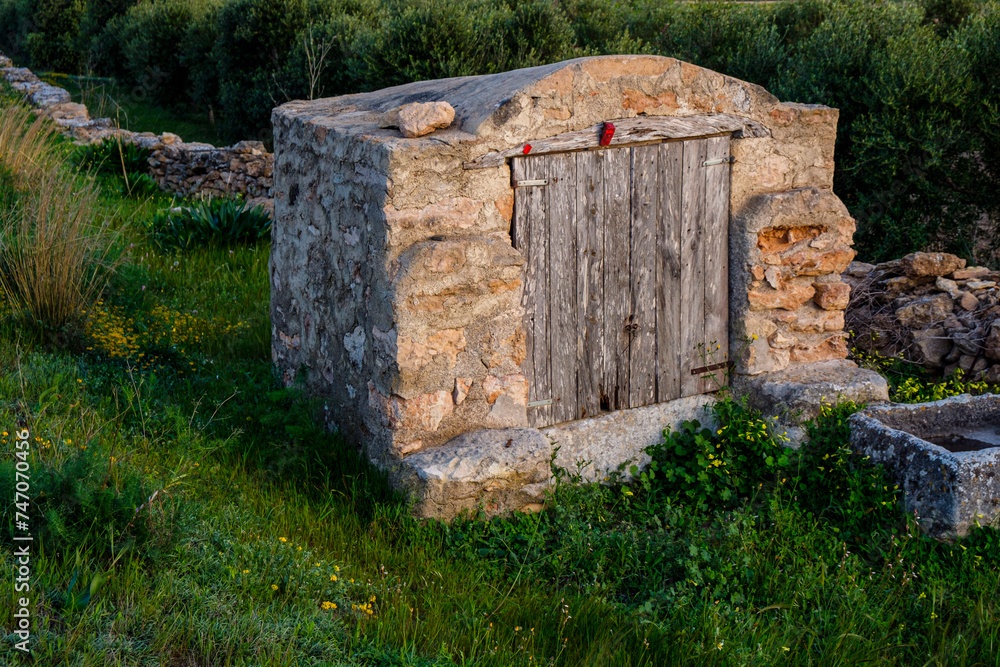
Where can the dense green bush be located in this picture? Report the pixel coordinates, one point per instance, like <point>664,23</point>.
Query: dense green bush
<point>714,468</point>
<point>915,81</point>
<point>209,222</point>
<point>80,500</point>
<point>53,42</point>
<point>111,156</point>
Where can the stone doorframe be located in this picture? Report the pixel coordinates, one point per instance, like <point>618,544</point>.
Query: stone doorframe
<point>396,291</point>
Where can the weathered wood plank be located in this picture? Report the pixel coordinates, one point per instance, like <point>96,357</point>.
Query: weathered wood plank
<point>668,270</point>
<point>563,271</point>
<point>716,261</point>
<point>629,131</point>
<point>642,271</point>
<point>519,236</point>
<point>531,237</point>
<point>590,280</point>
<point>693,266</point>
<point>617,292</point>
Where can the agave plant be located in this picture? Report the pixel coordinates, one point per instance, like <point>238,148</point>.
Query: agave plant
<point>209,222</point>
<point>112,156</point>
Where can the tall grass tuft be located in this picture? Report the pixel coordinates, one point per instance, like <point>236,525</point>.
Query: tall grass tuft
<point>54,256</point>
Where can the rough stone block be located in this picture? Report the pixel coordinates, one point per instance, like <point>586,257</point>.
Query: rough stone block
<point>605,442</point>
<point>497,470</point>
<point>931,264</point>
<point>832,296</point>
<point>796,394</point>
<point>949,491</point>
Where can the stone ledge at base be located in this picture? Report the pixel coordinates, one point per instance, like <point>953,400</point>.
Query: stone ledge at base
<point>795,395</point>
<point>501,470</point>
<point>607,441</point>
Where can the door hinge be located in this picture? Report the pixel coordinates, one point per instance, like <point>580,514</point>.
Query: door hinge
<point>531,184</point>
<point>721,160</point>
<point>538,404</point>
<point>713,367</point>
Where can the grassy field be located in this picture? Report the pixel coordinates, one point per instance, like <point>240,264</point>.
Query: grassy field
<point>223,527</point>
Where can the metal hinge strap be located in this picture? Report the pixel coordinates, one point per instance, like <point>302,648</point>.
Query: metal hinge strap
<point>721,160</point>
<point>538,404</point>
<point>713,367</point>
<point>531,184</point>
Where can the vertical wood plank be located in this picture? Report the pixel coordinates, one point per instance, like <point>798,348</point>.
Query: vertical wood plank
<point>692,266</point>
<point>668,270</point>
<point>531,237</point>
<point>716,261</point>
<point>563,325</point>
<point>519,236</point>
<point>590,280</point>
<point>642,271</point>
<point>617,293</point>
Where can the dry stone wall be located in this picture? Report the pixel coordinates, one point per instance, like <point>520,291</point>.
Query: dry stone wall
<point>931,309</point>
<point>183,168</point>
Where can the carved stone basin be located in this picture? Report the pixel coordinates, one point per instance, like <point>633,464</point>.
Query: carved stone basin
<point>945,456</point>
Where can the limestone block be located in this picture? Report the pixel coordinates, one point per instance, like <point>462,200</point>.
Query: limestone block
<point>968,301</point>
<point>925,311</point>
<point>515,386</point>
<point>414,354</point>
<point>921,264</point>
<point>810,319</point>
<point>811,349</point>
<point>949,287</point>
<point>496,469</point>
<point>418,119</point>
<point>424,412</point>
<point>969,272</point>
<point>790,297</point>
<point>618,439</point>
<point>993,341</point>
<point>796,394</point>
<point>832,296</point>
<point>461,391</point>
<point>934,345</point>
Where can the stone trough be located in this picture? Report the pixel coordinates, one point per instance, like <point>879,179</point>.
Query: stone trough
<point>944,455</point>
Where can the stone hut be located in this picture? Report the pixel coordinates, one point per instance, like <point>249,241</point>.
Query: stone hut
<point>577,261</point>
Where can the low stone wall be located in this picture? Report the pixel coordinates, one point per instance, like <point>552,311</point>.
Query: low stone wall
<point>188,169</point>
<point>931,309</point>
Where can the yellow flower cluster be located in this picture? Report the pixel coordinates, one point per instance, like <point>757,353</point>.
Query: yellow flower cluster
<point>114,335</point>
<point>110,332</point>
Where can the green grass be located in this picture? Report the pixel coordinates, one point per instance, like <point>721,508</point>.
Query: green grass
<point>167,388</point>
<point>104,98</point>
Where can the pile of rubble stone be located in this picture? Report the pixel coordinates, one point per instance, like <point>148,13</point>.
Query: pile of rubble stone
<point>931,309</point>
<point>182,168</point>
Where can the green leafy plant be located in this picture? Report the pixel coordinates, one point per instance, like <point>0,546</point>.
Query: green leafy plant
<point>714,468</point>
<point>78,601</point>
<point>140,186</point>
<point>81,499</point>
<point>112,156</point>
<point>209,222</point>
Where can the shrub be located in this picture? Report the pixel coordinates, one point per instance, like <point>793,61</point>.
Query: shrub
<point>254,37</point>
<point>152,36</point>
<point>81,500</point>
<point>210,222</point>
<point>53,258</point>
<point>714,468</point>
<point>112,156</point>
<point>53,42</point>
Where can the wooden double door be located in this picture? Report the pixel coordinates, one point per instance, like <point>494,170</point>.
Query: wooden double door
<point>626,286</point>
